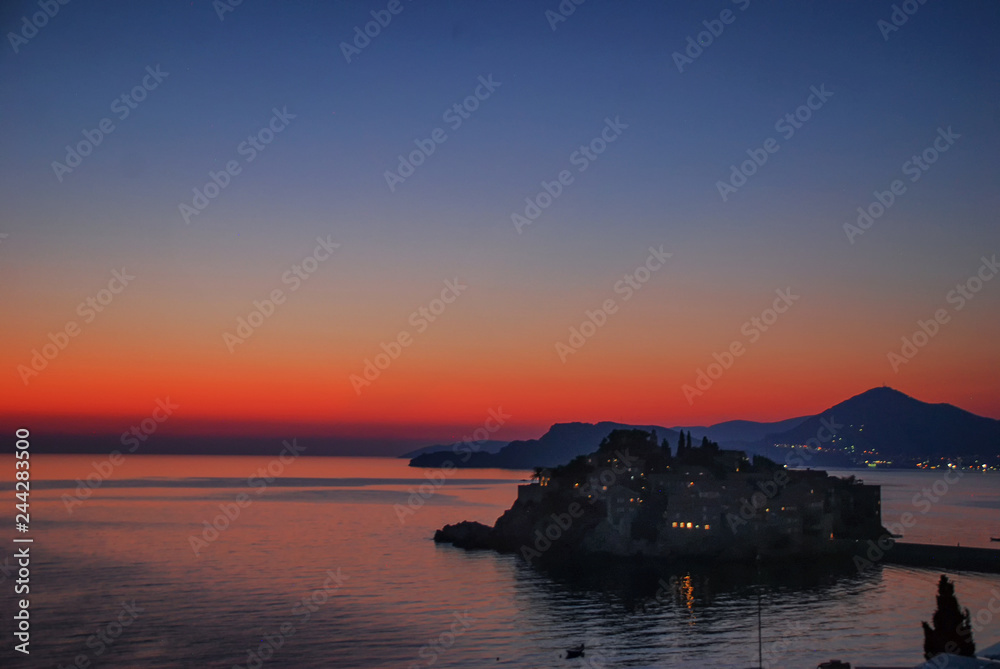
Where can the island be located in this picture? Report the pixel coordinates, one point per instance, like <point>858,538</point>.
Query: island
<point>635,496</point>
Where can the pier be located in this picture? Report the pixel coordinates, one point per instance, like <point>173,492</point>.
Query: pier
<point>935,556</point>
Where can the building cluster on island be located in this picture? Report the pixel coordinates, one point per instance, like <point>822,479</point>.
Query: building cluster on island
<point>635,496</point>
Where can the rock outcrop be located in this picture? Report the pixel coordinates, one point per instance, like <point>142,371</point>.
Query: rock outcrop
<point>467,534</point>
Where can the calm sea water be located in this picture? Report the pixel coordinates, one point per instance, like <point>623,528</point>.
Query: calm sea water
<point>380,593</point>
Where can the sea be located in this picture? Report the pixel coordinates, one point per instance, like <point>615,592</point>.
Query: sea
<point>211,561</point>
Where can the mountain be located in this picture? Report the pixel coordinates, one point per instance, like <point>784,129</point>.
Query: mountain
<point>886,423</point>
<point>562,443</point>
<point>741,433</point>
<point>893,424</point>
<point>487,446</point>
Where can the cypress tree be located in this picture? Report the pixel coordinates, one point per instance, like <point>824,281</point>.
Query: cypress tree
<point>952,631</point>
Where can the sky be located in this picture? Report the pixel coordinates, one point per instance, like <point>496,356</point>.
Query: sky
<point>430,264</point>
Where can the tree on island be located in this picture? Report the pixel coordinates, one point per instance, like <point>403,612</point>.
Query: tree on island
<point>952,631</point>
<point>763,463</point>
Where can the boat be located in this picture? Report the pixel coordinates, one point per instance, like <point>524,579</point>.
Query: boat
<point>994,538</point>
<point>574,652</point>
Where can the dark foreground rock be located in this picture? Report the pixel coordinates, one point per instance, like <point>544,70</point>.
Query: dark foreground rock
<point>467,534</point>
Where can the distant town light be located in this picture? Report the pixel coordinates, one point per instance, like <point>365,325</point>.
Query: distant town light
<point>707,527</point>
<point>689,526</point>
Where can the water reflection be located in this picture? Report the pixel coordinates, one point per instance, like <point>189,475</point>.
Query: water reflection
<point>639,584</point>
<point>132,542</point>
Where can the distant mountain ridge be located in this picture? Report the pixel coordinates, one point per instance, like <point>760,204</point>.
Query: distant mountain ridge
<point>736,433</point>
<point>487,446</point>
<point>894,424</point>
<point>562,443</point>
<point>883,422</point>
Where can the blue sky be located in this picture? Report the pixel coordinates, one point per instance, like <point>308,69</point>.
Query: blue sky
<point>656,185</point>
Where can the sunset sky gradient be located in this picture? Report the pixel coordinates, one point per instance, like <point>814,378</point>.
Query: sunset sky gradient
<point>495,345</point>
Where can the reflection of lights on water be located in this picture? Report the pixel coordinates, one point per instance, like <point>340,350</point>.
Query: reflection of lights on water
<point>687,589</point>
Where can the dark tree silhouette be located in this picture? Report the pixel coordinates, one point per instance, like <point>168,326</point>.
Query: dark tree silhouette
<point>764,464</point>
<point>688,447</point>
<point>952,631</point>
